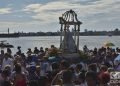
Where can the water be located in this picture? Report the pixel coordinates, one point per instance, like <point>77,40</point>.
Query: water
<point>46,41</point>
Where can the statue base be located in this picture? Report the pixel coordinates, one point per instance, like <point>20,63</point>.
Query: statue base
<point>72,57</point>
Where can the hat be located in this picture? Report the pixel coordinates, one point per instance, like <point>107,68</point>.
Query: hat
<point>32,64</point>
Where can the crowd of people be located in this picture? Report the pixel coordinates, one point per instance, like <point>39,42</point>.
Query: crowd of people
<point>35,69</point>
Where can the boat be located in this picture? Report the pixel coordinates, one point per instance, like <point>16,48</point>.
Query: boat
<point>9,35</point>
<point>5,45</point>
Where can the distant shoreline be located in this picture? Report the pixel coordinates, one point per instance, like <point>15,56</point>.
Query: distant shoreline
<point>59,35</point>
<point>115,32</point>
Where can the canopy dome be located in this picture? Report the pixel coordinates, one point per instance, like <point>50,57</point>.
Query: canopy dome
<point>69,17</point>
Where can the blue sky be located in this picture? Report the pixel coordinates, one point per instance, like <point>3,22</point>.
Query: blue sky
<point>43,15</point>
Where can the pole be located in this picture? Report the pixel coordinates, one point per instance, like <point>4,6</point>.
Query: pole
<point>8,30</point>
<point>75,33</point>
<point>78,37</point>
<point>61,30</point>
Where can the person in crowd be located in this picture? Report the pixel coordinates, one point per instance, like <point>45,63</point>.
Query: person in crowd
<point>1,57</point>
<point>63,78</point>
<point>19,50</point>
<point>46,51</point>
<point>92,67</point>
<point>41,50</point>
<point>29,51</point>
<point>36,51</point>
<point>91,78</point>
<point>36,69</point>
<point>64,65</point>
<point>4,78</point>
<point>104,79</point>
<point>52,51</point>
<point>41,53</point>
<point>78,70</point>
<point>67,78</point>
<point>55,68</point>
<point>29,59</point>
<point>9,51</point>
<point>45,66</point>
<point>7,61</point>
<point>85,49</point>
<point>103,68</point>
<point>32,76</point>
<point>19,76</point>
<point>81,79</point>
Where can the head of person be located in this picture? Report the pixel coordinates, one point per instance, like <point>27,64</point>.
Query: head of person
<point>91,78</point>
<point>64,65</point>
<point>78,67</point>
<point>46,49</point>
<point>2,52</point>
<point>67,77</point>
<point>6,55</point>
<point>92,67</point>
<point>38,68</point>
<point>5,73</point>
<point>9,50</point>
<point>55,66</point>
<point>41,48</point>
<point>8,67</point>
<point>52,46</point>
<point>29,49</point>
<point>35,48</point>
<point>18,68</point>
<point>18,47</point>
<point>103,68</point>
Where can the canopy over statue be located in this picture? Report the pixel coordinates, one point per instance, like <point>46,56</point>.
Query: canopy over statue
<point>68,44</point>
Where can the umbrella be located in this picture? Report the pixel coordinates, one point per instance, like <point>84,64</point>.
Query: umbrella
<point>109,44</point>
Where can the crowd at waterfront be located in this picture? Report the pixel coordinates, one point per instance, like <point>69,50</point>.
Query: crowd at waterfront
<point>34,68</point>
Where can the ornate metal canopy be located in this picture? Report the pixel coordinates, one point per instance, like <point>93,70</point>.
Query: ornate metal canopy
<point>67,43</point>
<point>69,17</point>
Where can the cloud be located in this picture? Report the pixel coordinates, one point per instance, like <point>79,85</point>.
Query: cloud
<point>57,7</point>
<point>95,14</point>
<point>5,10</point>
<point>49,11</point>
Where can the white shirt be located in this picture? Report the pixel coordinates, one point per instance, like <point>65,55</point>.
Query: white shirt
<point>45,66</point>
<point>9,61</point>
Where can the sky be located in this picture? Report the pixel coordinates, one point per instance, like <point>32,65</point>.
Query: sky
<point>43,15</point>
